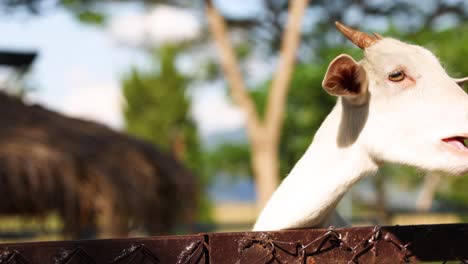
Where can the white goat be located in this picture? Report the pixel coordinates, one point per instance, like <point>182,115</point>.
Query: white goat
<point>396,105</point>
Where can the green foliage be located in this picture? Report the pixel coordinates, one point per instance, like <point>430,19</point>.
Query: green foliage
<point>455,192</point>
<point>242,50</point>
<point>405,176</point>
<point>157,106</point>
<point>91,17</point>
<point>229,157</point>
<point>157,110</point>
<point>86,11</point>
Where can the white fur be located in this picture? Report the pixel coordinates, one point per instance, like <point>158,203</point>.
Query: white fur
<point>394,122</point>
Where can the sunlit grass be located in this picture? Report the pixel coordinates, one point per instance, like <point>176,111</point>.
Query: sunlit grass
<point>32,228</point>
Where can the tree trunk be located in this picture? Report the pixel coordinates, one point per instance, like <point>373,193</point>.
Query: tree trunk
<point>265,164</point>
<point>381,201</point>
<point>429,188</point>
<point>264,135</point>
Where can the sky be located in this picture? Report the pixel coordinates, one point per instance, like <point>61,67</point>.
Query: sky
<point>80,67</point>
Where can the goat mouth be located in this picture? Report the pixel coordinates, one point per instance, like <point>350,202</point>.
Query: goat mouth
<point>457,143</point>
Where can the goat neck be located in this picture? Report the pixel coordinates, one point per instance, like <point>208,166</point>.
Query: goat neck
<point>330,166</point>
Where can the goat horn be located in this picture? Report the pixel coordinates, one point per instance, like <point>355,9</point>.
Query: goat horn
<point>377,36</point>
<point>360,39</point>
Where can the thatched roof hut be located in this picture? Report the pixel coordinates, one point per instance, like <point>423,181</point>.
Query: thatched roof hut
<point>87,172</point>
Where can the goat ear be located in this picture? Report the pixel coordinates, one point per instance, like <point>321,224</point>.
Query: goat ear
<point>461,81</point>
<point>344,77</point>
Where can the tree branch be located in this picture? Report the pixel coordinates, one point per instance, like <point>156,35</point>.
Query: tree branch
<point>277,97</point>
<point>231,69</point>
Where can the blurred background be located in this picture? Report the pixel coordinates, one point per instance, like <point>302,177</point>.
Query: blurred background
<point>123,118</point>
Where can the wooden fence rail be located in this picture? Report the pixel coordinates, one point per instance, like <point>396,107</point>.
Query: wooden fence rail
<point>388,244</point>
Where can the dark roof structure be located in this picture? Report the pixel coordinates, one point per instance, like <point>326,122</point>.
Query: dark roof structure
<point>17,59</point>
<point>88,173</point>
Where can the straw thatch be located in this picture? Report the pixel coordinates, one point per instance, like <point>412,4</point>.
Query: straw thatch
<point>88,173</point>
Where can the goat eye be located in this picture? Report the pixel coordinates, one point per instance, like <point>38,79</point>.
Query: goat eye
<point>396,76</point>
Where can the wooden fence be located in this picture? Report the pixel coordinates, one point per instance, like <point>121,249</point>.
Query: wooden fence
<point>388,244</point>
